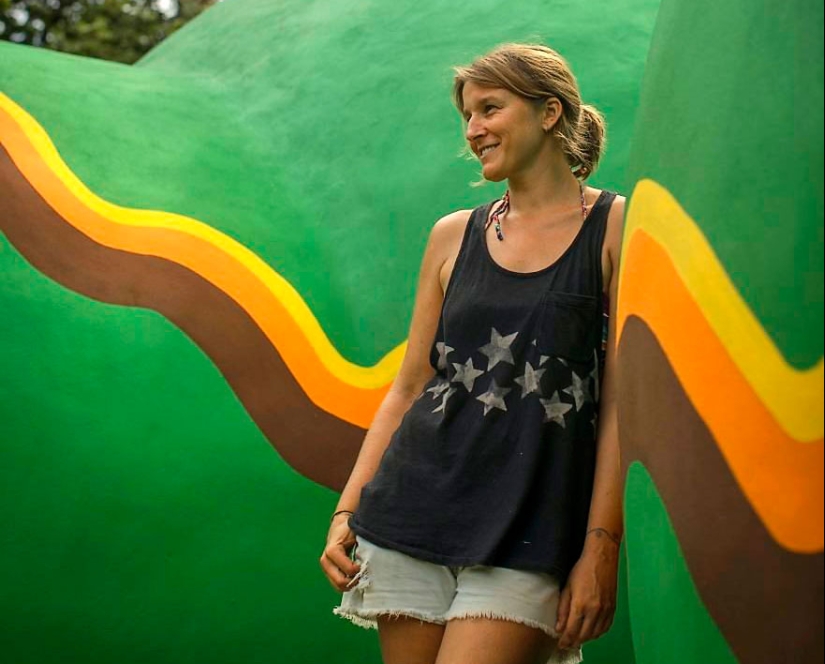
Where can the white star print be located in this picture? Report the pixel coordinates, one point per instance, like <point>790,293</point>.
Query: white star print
<point>443,349</point>
<point>494,397</point>
<point>531,380</point>
<point>578,390</point>
<point>554,409</point>
<point>543,360</point>
<point>498,350</point>
<point>438,389</point>
<point>466,374</point>
<point>445,398</point>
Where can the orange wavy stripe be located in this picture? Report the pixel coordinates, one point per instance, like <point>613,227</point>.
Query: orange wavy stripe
<point>349,403</point>
<point>781,478</point>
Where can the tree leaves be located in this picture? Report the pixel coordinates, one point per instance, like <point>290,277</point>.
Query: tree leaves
<point>119,30</point>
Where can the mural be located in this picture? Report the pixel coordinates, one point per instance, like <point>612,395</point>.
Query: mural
<point>721,317</point>
<point>209,260</point>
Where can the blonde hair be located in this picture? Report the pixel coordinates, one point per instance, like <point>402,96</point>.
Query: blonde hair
<point>537,73</point>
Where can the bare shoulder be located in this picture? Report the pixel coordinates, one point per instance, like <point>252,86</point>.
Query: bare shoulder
<point>615,227</point>
<point>616,215</point>
<point>445,240</point>
<point>611,251</point>
<point>445,243</point>
<point>449,230</point>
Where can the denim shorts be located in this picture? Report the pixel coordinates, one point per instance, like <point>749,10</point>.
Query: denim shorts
<point>394,584</point>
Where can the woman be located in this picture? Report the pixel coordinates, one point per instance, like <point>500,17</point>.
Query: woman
<point>482,519</point>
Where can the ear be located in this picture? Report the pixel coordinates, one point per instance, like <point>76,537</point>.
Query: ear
<point>552,110</point>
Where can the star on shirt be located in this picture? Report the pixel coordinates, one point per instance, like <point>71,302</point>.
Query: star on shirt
<point>443,349</point>
<point>498,350</point>
<point>494,397</point>
<point>531,380</point>
<point>543,360</point>
<point>438,389</point>
<point>578,390</point>
<point>466,374</point>
<point>554,409</point>
<point>444,399</point>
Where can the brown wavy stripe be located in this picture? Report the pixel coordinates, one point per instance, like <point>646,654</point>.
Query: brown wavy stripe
<point>316,444</point>
<point>767,601</point>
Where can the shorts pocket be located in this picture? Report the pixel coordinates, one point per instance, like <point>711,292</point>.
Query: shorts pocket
<point>571,326</point>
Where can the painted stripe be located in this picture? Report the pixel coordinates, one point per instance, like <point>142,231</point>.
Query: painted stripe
<point>316,444</point>
<point>794,397</point>
<point>763,458</point>
<point>346,390</point>
<point>726,546</point>
<point>672,624</point>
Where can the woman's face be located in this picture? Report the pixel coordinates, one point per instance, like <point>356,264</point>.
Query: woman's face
<point>504,131</point>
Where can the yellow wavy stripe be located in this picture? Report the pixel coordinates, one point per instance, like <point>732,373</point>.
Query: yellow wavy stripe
<point>794,397</point>
<point>375,377</point>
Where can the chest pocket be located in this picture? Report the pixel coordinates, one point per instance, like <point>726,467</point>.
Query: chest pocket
<point>571,326</point>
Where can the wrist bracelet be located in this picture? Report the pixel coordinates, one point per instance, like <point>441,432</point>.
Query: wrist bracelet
<point>616,540</point>
<point>342,512</point>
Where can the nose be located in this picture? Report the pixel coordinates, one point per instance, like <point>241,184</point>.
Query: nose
<point>475,129</point>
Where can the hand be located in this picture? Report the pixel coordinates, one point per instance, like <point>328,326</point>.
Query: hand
<point>588,601</point>
<point>335,561</point>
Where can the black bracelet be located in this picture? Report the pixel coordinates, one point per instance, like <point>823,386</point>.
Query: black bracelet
<point>616,540</point>
<point>342,512</point>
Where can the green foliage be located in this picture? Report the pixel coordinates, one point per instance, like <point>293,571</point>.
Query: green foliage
<point>119,30</point>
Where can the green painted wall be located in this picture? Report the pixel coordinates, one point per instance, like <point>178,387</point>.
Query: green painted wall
<point>324,138</point>
<point>730,125</point>
<point>671,625</point>
<point>144,517</point>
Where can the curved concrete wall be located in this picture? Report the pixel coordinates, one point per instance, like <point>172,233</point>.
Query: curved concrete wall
<point>209,260</point>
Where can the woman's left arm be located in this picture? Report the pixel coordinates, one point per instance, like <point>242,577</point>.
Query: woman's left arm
<point>588,601</point>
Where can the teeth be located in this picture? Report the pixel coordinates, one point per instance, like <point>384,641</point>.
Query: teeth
<point>487,149</point>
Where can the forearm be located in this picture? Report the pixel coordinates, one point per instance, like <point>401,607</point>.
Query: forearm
<point>606,504</point>
<point>387,418</point>
<point>606,515</point>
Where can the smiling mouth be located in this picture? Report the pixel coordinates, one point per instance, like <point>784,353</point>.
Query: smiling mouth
<point>486,150</point>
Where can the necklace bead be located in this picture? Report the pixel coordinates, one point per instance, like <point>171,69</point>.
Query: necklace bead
<point>504,207</point>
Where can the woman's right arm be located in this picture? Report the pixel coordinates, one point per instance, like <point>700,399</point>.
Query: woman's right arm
<point>415,372</point>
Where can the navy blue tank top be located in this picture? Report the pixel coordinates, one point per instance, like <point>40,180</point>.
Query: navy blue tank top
<point>493,464</point>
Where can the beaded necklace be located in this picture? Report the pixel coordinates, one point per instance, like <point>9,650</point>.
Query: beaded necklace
<point>504,207</point>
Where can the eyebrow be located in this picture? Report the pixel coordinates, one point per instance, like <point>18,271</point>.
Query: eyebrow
<point>484,100</point>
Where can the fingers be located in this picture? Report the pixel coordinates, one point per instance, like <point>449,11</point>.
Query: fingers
<point>564,610</point>
<point>338,567</point>
<point>586,630</point>
<point>604,625</point>
<point>569,636</point>
<point>585,624</point>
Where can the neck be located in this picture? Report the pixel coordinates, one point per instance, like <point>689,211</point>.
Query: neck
<point>548,185</point>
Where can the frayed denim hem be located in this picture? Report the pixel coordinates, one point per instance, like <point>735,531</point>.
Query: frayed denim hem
<point>492,615</point>
<point>559,657</point>
<point>368,618</point>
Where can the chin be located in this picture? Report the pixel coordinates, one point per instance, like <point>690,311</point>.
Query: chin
<point>492,175</point>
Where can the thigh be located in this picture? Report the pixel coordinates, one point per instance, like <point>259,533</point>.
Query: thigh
<point>408,640</point>
<point>504,616</point>
<point>486,641</point>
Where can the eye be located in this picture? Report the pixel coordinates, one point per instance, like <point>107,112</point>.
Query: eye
<point>489,108</point>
